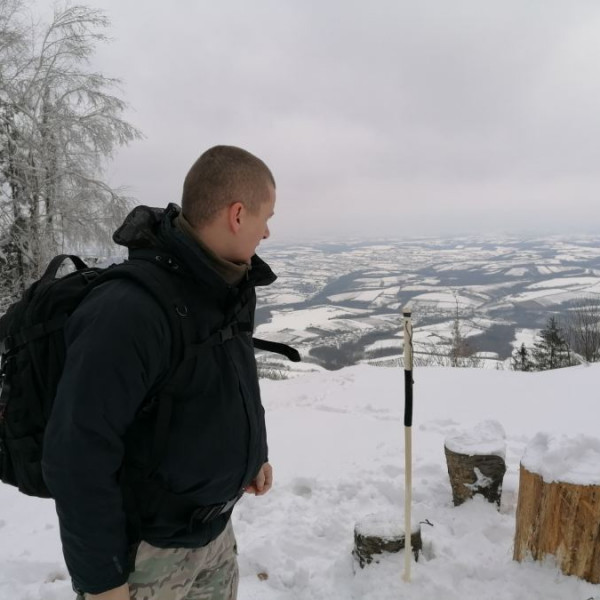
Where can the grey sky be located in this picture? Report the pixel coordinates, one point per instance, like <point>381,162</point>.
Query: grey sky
<point>381,117</point>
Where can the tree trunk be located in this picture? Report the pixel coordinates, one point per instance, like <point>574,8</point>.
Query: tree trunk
<point>379,534</point>
<point>559,519</point>
<point>476,474</point>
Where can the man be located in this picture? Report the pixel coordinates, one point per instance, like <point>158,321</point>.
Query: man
<point>98,443</point>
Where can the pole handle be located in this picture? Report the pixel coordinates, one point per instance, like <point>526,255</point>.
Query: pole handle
<point>408,368</point>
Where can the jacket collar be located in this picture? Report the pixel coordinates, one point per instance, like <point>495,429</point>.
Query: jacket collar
<point>197,262</point>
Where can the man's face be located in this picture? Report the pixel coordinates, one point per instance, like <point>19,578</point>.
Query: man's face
<point>254,227</point>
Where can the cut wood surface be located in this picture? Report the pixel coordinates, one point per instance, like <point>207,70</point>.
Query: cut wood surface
<point>477,474</point>
<point>562,520</point>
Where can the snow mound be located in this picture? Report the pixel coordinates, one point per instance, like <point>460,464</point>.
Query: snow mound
<point>485,438</point>
<point>564,458</point>
<point>385,525</point>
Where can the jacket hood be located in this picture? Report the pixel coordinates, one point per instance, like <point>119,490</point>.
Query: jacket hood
<point>141,228</point>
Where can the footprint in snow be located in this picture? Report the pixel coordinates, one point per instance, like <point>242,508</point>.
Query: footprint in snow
<point>302,488</point>
<point>392,471</point>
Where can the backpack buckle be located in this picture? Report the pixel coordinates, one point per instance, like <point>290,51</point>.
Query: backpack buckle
<point>229,332</point>
<point>89,275</point>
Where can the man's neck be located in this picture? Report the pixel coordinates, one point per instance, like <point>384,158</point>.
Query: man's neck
<point>231,272</point>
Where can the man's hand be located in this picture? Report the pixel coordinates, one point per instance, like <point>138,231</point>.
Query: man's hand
<point>262,482</point>
<point>120,593</point>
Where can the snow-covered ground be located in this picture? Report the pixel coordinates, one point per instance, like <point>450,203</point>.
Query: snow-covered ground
<point>325,317</point>
<point>337,447</point>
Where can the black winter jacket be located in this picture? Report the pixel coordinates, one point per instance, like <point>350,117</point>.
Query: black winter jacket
<point>118,352</point>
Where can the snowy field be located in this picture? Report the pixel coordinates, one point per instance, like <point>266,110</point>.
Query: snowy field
<point>336,444</point>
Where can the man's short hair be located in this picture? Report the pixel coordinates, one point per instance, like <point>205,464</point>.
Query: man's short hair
<point>221,176</point>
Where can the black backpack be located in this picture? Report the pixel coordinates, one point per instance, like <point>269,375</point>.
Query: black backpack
<point>32,355</point>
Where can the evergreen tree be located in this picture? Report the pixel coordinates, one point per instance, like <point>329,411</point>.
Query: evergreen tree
<point>551,350</point>
<point>521,360</point>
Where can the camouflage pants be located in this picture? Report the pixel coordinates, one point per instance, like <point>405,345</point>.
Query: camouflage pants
<point>208,573</point>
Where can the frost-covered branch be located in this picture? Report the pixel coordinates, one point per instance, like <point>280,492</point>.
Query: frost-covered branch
<point>59,122</point>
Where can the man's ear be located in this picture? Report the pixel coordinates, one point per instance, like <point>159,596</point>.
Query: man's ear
<point>235,216</point>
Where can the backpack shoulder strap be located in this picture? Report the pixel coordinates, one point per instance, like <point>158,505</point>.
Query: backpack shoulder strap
<point>277,347</point>
<point>266,345</point>
<point>56,263</point>
<point>162,285</point>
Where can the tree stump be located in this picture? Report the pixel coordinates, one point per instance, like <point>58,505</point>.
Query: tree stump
<point>476,463</point>
<point>560,518</point>
<point>379,534</point>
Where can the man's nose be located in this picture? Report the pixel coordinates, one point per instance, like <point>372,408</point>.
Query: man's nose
<point>267,233</point>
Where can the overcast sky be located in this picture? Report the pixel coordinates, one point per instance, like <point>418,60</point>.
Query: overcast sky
<point>386,117</point>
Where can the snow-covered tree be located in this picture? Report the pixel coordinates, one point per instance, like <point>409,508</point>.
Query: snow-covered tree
<point>583,328</point>
<point>59,122</point>
<point>460,352</point>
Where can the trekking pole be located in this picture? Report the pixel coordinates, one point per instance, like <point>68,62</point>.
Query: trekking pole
<point>408,410</point>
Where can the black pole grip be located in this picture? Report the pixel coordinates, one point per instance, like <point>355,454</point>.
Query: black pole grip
<point>408,399</point>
